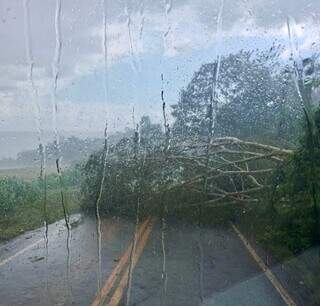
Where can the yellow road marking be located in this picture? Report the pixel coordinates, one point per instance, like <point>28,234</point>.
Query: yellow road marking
<point>269,274</point>
<point>117,296</point>
<point>119,267</point>
<point>5,261</point>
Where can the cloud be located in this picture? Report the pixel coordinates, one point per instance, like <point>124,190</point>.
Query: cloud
<point>190,26</point>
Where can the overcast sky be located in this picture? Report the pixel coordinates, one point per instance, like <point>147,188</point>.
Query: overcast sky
<point>145,38</point>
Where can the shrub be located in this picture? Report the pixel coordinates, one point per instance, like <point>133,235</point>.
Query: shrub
<point>15,193</point>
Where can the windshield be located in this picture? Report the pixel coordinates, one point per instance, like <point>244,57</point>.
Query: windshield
<point>161,152</point>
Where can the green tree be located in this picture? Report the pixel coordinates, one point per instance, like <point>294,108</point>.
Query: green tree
<point>256,98</point>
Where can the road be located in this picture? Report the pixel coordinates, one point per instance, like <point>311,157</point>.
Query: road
<point>177,265</point>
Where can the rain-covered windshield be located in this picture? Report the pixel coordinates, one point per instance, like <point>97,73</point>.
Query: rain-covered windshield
<point>161,152</point>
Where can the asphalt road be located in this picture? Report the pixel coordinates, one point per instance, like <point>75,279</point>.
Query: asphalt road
<point>180,265</point>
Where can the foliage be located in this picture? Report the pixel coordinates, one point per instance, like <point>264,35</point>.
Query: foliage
<point>15,193</point>
<point>71,177</point>
<point>21,201</point>
<point>256,99</point>
<point>30,215</point>
<point>136,171</point>
<point>128,178</point>
<point>295,200</point>
<point>181,178</point>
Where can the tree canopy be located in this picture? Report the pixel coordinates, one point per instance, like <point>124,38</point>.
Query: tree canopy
<point>256,97</point>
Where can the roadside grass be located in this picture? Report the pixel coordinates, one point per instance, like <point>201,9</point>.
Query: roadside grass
<point>255,222</point>
<point>30,216</point>
<point>258,225</point>
<point>283,235</point>
<point>21,200</point>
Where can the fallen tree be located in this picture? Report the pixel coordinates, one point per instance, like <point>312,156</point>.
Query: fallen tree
<point>226,171</point>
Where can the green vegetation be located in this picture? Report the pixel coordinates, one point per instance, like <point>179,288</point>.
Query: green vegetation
<point>236,157</point>
<point>257,100</point>
<point>21,202</point>
<point>295,215</point>
<point>258,103</point>
<point>127,176</point>
<point>15,193</point>
<point>287,221</point>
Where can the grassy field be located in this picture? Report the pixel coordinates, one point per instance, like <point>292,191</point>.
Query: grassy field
<point>31,216</point>
<point>27,173</point>
<point>24,214</point>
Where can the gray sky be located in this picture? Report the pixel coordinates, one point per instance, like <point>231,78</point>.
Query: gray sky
<point>138,54</point>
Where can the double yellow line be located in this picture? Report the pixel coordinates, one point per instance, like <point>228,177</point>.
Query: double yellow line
<point>142,236</point>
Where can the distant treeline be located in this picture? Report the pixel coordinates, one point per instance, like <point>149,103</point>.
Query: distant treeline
<point>71,149</point>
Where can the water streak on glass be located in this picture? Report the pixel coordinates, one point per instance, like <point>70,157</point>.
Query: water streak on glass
<point>127,12</point>
<point>297,63</point>
<point>212,110</point>
<point>55,66</point>
<point>167,10</point>
<point>105,151</point>
<point>55,74</point>
<point>142,20</point>
<point>38,121</point>
<point>186,136</point>
<point>166,44</point>
<point>167,140</point>
<point>136,187</point>
<point>132,254</point>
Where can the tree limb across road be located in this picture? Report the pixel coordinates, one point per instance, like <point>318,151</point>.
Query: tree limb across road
<point>237,171</point>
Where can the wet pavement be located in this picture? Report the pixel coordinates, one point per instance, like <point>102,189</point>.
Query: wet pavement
<point>180,265</point>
